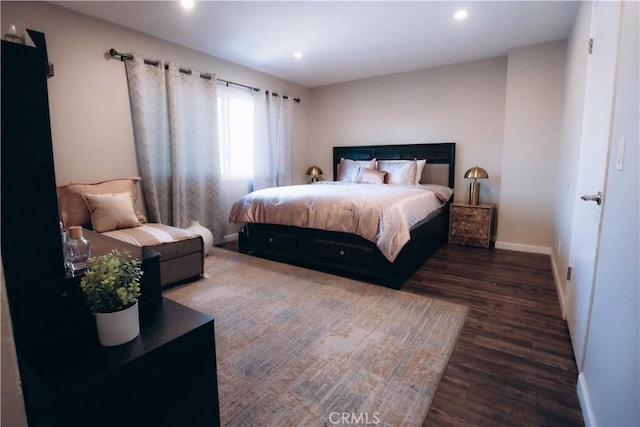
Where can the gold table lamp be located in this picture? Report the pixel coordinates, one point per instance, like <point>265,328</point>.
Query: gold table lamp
<point>314,171</point>
<point>475,173</point>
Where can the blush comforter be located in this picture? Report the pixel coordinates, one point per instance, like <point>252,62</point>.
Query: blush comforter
<point>383,214</point>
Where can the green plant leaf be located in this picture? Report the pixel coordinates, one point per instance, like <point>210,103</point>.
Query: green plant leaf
<point>112,282</point>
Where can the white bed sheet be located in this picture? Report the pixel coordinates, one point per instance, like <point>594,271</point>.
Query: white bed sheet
<point>383,214</point>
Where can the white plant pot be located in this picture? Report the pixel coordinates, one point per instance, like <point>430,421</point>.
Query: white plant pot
<point>207,236</point>
<point>119,327</point>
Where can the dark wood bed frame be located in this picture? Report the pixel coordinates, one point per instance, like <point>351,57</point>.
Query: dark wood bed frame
<point>351,255</point>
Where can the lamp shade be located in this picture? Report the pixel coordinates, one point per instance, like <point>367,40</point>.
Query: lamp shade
<point>314,171</point>
<point>476,172</point>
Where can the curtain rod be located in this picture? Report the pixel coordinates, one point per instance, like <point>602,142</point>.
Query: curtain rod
<point>125,56</point>
<point>284,96</point>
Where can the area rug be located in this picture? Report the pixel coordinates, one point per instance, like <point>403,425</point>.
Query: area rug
<point>301,347</point>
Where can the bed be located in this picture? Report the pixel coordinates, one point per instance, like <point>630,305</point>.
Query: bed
<point>350,254</point>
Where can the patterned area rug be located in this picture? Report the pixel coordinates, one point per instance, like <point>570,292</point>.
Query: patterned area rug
<point>301,347</point>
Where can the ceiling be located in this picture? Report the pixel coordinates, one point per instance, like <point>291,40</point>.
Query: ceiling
<point>345,40</point>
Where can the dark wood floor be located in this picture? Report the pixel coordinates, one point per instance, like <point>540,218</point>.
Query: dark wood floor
<point>513,363</point>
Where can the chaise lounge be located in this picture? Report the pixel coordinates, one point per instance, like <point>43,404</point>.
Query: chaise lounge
<point>109,208</point>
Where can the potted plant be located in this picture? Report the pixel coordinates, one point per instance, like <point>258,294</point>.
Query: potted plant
<point>111,287</point>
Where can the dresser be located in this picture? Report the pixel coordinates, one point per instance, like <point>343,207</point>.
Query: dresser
<point>471,225</point>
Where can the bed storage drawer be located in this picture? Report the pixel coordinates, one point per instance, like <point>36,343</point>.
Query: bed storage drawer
<point>276,240</point>
<point>344,252</point>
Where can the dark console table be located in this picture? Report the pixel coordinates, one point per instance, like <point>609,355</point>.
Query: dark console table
<point>165,377</point>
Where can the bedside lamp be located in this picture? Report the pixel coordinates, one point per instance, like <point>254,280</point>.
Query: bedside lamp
<point>475,173</point>
<point>314,171</point>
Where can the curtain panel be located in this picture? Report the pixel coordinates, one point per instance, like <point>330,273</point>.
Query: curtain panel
<point>273,143</point>
<point>147,96</point>
<point>176,136</point>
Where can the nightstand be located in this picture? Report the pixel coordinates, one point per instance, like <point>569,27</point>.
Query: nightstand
<point>471,224</point>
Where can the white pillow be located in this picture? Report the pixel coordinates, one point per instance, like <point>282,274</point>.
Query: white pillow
<point>401,172</point>
<point>420,168</point>
<point>348,169</point>
<point>111,211</point>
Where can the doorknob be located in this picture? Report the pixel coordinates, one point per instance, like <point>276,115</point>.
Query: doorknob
<point>593,198</point>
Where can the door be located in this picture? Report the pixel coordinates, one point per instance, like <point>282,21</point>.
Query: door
<point>594,149</point>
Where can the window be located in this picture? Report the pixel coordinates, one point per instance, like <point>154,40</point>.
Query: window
<point>235,128</point>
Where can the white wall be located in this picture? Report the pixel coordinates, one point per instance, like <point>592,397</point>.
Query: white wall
<point>505,114</point>
<point>533,117</point>
<point>461,103</point>
<point>569,147</point>
<point>611,376</point>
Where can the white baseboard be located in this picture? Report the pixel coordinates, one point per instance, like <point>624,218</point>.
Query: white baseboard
<point>524,248</point>
<point>585,402</point>
<point>558,279</point>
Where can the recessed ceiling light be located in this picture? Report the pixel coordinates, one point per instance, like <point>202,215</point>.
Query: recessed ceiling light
<point>186,4</point>
<point>297,55</point>
<point>461,14</point>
